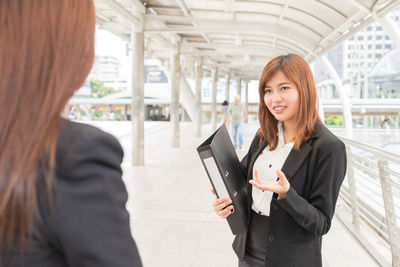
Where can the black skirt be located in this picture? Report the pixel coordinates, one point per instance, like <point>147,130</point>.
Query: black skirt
<point>256,243</point>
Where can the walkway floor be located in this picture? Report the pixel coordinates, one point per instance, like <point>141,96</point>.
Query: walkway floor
<point>171,205</point>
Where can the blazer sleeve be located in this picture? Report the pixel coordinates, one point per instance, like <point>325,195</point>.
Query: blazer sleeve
<point>91,225</point>
<point>245,162</point>
<point>316,214</point>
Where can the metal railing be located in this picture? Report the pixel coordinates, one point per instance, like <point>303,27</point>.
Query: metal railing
<point>371,196</point>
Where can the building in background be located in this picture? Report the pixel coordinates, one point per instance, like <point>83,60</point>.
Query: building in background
<point>355,60</point>
<point>106,69</point>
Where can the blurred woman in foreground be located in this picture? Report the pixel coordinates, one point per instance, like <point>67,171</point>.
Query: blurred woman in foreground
<point>62,199</point>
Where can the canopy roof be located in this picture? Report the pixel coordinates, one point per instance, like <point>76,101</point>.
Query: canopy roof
<point>239,36</point>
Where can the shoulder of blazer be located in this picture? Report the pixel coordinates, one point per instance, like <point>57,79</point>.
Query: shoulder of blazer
<point>324,139</point>
<point>77,140</point>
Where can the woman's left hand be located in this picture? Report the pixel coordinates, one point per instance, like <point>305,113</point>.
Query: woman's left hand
<point>281,187</point>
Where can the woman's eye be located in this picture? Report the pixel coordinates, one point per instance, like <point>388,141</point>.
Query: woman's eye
<point>267,91</point>
<point>285,87</point>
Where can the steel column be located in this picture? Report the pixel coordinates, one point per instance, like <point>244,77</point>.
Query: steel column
<point>199,111</point>
<point>174,88</point>
<point>214,77</point>
<point>137,115</point>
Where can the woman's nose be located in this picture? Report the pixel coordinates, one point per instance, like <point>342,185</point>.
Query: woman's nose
<point>276,97</point>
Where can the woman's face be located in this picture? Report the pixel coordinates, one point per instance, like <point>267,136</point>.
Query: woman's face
<point>282,98</point>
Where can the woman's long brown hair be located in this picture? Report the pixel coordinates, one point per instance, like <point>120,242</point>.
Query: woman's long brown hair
<point>46,52</point>
<point>296,69</point>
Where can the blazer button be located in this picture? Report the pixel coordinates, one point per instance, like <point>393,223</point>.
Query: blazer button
<point>274,207</point>
<point>271,238</point>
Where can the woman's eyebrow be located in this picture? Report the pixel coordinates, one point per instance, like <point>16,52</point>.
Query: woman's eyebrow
<point>280,84</point>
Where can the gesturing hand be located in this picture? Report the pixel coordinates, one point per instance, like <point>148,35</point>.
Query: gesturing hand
<point>281,187</point>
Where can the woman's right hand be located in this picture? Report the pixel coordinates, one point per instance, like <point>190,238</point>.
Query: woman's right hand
<point>221,207</point>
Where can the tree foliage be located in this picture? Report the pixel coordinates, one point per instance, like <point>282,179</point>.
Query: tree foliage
<point>336,120</point>
<point>98,89</point>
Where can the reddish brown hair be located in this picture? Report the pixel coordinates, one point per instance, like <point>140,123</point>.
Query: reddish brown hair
<point>46,52</point>
<point>296,69</point>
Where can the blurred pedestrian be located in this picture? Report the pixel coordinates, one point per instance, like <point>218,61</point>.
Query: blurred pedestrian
<point>237,115</point>
<point>225,116</point>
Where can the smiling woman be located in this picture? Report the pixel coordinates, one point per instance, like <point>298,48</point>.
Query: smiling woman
<point>282,100</point>
<point>295,167</point>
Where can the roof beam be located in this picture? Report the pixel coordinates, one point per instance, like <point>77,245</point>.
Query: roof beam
<point>382,12</point>
<point>122,11</point>
<point>358,5</point>
<point>139,6</point>
<point>187,13</point>
<point>184,8</point>
<point>113,27</point>
<point>218,26</point>
<point>248,49</point>
<point>230,9</point>
<point>335,31</point>
<point>160,38</point>
<point>259,53</point>
<point>274,42</point>
<point>283,11</point>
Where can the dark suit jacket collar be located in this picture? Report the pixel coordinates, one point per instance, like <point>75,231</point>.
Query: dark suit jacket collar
<point>295,157</point>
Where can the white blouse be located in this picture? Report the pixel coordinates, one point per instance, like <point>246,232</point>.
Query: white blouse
<point>267,163</point>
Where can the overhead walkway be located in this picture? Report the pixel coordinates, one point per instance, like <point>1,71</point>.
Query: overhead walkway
<point>231,38</point>
<point>172,218</point>
<point>170,200</point>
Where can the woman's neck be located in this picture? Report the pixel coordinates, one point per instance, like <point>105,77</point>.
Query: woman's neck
<point>289,132</point>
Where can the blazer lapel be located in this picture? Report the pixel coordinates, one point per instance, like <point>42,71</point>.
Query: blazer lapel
<point>295,159</point>
<point>254,157</point>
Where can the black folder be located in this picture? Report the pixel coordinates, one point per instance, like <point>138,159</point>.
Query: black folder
<point>226,175</point>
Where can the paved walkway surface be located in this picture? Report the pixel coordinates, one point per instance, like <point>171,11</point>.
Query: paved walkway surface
<point>171,205</point>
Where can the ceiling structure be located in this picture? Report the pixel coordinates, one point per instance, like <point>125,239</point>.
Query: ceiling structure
<point>239,36</point>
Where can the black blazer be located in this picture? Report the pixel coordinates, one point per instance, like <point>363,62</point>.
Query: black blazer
<point>87,224</point>
<point>297,222</point>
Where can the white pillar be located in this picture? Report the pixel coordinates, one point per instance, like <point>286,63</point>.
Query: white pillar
<point>214,76</point>
<point>246,100</point>
<point>365,89</point>
<point>320,108</point>
<point>199,111</point>
<point>227,78</point>
<point>174,87</point>
<point>390,28</point>
<point>137,115</point>
<point>239,88</point>
<point>348,125</point>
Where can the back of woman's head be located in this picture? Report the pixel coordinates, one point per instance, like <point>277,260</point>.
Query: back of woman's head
<point>46,52</point>
<point>296,69</point>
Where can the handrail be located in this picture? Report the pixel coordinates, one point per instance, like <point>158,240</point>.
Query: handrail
<point>383,154</point>
<point>369,195</point>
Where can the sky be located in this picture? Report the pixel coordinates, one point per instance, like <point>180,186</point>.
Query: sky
<point>109,44</point>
